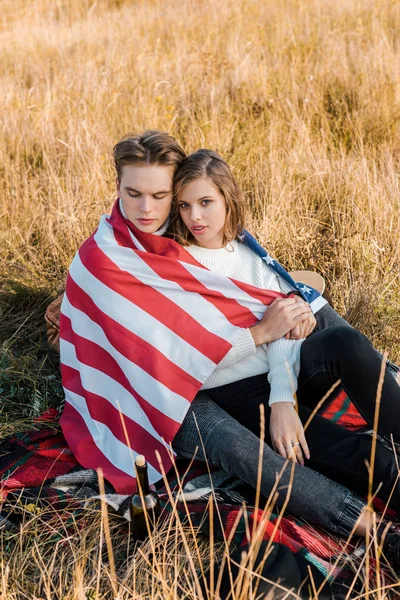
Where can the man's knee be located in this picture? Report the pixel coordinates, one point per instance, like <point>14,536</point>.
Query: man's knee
<point>327,318</point>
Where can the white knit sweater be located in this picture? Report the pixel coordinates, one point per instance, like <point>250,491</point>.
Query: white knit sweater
<point>280,359</point>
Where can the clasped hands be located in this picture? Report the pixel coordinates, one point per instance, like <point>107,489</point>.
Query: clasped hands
<point>291,318</point>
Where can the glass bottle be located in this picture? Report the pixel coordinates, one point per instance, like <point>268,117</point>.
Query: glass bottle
<point>149,503</point>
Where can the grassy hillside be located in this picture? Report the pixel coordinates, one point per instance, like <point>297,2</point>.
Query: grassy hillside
<point>302,99</point>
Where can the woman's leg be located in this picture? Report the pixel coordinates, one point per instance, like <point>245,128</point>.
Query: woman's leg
<point>327,317</point>
<point>208,431</point>
<point>336,452</point>
<point>344,353</point>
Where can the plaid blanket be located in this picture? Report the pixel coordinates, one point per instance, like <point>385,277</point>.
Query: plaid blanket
<point>37,469</point>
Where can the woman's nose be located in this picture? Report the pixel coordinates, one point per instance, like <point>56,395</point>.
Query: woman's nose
<point>195,213</point>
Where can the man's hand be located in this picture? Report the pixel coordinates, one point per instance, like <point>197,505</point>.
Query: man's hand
<point>281,316</point>
<point>287,433</point>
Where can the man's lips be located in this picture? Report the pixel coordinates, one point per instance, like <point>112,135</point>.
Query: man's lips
<point>146,221</point>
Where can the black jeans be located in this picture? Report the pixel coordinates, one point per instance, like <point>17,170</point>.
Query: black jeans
<point>327,317</point>
<point>326,356</point>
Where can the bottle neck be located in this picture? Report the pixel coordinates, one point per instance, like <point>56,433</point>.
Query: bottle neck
<point>142,479</point>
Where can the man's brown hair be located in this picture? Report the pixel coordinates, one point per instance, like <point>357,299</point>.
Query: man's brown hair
<point>206,163</point>
<point>150,148</point>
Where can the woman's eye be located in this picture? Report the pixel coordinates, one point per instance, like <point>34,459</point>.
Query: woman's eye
<point>206,202</point>
<point>183,205</point>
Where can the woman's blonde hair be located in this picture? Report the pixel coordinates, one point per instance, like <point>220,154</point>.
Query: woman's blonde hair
<point>206,163</point>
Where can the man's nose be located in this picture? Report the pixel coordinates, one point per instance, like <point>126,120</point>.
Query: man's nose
<point>146,204</point>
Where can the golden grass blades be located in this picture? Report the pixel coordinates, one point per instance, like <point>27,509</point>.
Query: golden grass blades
<point>302,99</point>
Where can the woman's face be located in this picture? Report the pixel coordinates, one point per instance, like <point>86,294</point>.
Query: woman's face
<point>146,194</point>
<point>202,208</point>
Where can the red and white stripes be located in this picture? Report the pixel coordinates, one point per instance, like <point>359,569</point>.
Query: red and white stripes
<point>142,326</point>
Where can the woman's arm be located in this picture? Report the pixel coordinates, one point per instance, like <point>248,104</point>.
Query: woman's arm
<point>280,317</point>
<point>286,429</point>
<point>284,367</point>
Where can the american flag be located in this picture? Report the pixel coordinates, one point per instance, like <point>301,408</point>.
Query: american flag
<point>142,326</point>
<point>309,294</point>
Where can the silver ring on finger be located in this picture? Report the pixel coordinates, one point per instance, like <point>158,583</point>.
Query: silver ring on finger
<point>295,444</point>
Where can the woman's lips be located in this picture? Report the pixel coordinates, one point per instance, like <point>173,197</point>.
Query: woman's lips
<point>199,229</point>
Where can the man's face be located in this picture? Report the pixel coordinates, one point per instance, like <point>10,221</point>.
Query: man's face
<point>146,194</point>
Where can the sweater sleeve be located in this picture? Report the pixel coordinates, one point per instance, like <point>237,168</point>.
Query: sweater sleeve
<point>243,347</point>
<point>284,365</point>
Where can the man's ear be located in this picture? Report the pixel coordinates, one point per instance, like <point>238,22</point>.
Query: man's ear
<point>118,186</point>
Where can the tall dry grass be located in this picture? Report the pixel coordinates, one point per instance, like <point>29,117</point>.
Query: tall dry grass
<point>303,100</point>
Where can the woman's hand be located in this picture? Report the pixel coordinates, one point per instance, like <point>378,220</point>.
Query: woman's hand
<point>287,433</point>
<point>281,316</point>
<point>302,330</point>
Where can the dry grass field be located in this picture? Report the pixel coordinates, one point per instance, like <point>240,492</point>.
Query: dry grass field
<point>302,97</point>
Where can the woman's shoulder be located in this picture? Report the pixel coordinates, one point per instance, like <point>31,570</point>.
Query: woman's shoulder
<point>244,250</point>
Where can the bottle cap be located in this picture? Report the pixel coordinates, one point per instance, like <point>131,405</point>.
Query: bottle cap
<point>140,460</point>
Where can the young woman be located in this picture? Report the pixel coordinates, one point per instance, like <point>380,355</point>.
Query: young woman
<point>208,221</point>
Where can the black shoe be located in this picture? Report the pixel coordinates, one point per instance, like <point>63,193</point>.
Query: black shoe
<point>389,535</point>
